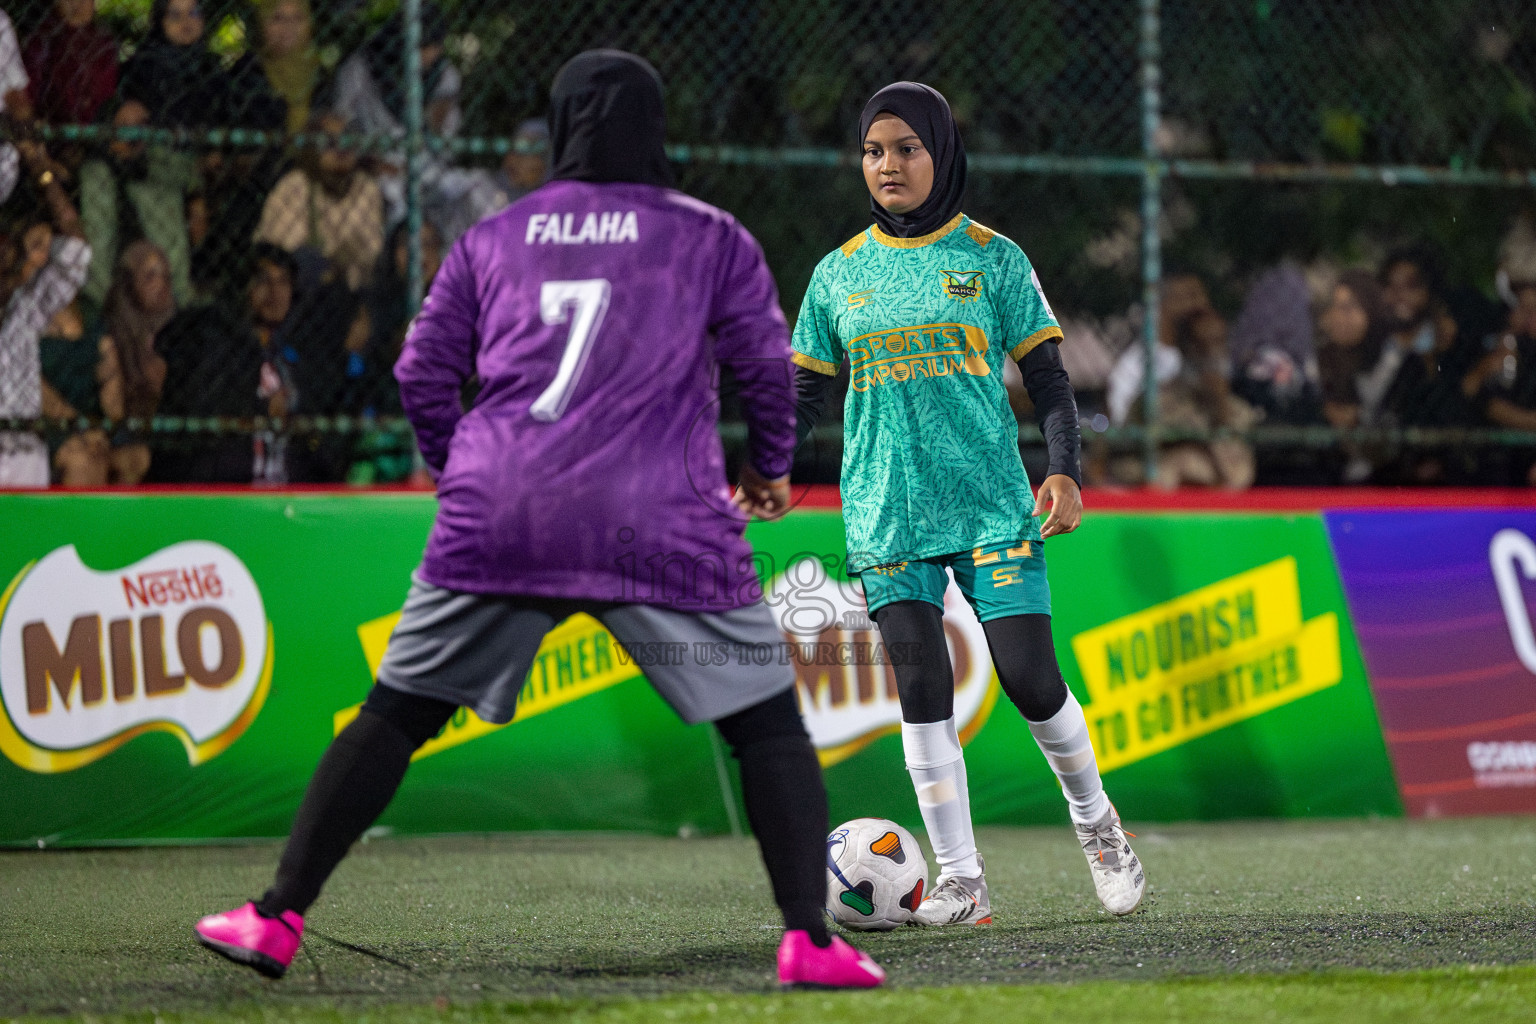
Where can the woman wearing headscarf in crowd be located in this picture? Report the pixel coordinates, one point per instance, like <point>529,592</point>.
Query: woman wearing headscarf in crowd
<point>132,370</point>
<point>236,359</point>
<point>373,348</point>
<point>130,189</point>
<point>111,367</point>
<point>173,73</point>
<point>72,62</point>
<point>1271,347</point>
<point>1422,364</point>
<point>370,92</point>
<point>328,207</point>
<point>926,304</point>
<point>285,49</point>
<point>183,84</point>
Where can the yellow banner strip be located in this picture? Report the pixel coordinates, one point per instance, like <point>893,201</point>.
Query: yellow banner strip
<point>1135,724</point>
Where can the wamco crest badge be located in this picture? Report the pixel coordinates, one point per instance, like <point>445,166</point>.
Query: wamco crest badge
<point>843,673</point>
<point>963,285</point>
<point>178,642</point>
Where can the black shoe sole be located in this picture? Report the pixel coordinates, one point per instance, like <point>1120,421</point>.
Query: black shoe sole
<point>258,962</point>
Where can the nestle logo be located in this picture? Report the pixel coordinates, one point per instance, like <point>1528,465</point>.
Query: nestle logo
<point>172,586</point>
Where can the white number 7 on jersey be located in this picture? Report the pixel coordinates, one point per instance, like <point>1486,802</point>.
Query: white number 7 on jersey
<point>555,299</point>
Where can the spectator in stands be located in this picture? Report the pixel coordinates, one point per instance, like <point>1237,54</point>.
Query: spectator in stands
<point>132,190</point>
<point>526,165</point>
<point>111,367</point>
<point>72,62</point>
<point>1431,358</point>
<point>373,348</point>
<point>1274,361</point>
<point>233,366</point>
<point>15,104</point>
<point>285,47</point>
<point>183,84</point>
<point>327,209</point>
<point>173,73</point>
<point>385,315</point>
<point>1352,328</point>
<point>132,371</point>
<point>1192,365</point>
<point>1502,383</point>
<point>370,92</point>
<point>41,270</point>
<point>69,352</point>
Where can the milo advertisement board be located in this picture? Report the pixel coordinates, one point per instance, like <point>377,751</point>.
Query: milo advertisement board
<point>173,666</point>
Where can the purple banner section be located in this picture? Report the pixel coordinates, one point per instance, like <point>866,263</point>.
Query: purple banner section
<point>1442,604</point>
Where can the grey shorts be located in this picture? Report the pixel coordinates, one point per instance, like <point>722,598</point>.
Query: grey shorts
<point>475,650</point>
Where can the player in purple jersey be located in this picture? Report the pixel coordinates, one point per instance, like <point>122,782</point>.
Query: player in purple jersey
<point>587,477</point>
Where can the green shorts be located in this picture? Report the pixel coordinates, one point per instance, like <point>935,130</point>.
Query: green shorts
<point>1004,579</point>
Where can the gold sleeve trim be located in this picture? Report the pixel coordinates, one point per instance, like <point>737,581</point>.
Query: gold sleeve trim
<point>919,241</point>
<point>1024,347</point>
<point>980,233</point>
<point>852,245</point>
<point>812,363</point>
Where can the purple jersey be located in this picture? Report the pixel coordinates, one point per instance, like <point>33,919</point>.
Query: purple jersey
<point>597,317</point>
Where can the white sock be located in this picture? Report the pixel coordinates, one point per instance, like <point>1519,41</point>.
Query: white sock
<point>937,768</point>
<point>1063,739</point>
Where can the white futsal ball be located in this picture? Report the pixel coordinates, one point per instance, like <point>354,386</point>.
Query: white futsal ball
<point>876,874</point>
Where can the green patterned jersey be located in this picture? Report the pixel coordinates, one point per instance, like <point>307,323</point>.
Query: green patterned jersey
<point>931,457</point>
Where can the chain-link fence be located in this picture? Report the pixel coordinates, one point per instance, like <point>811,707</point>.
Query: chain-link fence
<point>265,185</point>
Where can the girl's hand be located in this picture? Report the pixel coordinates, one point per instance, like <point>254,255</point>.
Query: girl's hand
<point>1060,492</point>
<point>761,497</point>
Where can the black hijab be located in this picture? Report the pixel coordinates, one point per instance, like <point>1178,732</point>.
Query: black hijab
<point>607,122</point>
<point>926,110</point>
<point>183,86</point>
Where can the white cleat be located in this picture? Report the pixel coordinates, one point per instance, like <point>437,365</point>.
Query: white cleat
<point>956,901</point>
<point>1117,874</point>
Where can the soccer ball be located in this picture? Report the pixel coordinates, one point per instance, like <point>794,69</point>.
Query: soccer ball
<point>875,874</point>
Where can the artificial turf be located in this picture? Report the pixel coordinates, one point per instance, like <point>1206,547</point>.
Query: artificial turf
<point>1367,920</point>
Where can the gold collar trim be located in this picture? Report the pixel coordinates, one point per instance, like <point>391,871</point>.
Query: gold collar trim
<point>919,241</point>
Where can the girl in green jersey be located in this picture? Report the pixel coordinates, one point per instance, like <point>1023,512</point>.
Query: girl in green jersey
<point>925,305</point>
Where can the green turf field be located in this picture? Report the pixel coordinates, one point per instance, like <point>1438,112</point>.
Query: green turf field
<point>1337,920</point>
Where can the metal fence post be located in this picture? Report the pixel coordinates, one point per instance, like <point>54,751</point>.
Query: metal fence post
<point>415,143</point>
<point>1151,214</point>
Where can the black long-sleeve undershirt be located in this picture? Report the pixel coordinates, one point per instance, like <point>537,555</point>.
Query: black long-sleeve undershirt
<point>1045,378</point>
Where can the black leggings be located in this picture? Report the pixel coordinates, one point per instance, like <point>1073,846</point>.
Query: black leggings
<point>1022,650</point>
<point>363,767</point>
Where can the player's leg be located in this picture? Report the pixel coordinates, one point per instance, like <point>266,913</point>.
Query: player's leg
<point>449,650</point>
<point>786,806</point>
<point>753,705</point>
<point>356,780</point>
<point>906,603</point>
<point>1007,587</point>
<point>1025,657</point>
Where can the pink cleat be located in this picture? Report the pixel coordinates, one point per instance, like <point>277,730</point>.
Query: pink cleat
<point>803,964</point>
<point>265,944</point>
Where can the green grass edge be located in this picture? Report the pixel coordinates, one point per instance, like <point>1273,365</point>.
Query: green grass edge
<point>1466,994</point>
